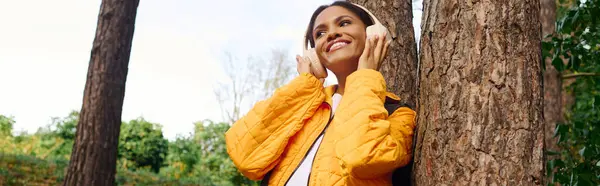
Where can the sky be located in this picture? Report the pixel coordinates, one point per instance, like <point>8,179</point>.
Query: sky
<point>176,58</point>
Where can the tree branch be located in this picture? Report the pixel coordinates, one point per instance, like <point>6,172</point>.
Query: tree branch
<point>575,75</point>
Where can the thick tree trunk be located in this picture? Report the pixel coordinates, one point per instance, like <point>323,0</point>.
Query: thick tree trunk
<point>481,99</point>
<point>93,161</point>
<point>400,66</point>
<point>552,82</point>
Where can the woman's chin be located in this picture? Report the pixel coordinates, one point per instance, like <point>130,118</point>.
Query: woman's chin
<point>339,56</point>
<point>342,62</point>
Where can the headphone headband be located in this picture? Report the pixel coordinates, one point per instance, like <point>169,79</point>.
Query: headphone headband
<point>373,18</point>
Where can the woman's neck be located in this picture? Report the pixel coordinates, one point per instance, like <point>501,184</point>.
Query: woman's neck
<point>342,73</point>
<point>341,87</point>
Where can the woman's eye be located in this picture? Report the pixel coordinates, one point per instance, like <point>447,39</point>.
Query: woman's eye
<point>319,34</point>
<point>344,23</point>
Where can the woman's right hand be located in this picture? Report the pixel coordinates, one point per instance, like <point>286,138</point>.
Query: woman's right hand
<point>303,66</point>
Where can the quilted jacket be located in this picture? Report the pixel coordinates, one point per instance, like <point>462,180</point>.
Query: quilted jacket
<point>362,144</point>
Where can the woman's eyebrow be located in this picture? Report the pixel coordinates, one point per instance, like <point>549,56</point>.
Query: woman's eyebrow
<point>342,17</point>
<point>336,20</point>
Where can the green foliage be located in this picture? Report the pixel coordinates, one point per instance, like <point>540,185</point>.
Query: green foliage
<point>29,170</point>
<point>214,160</point>
<point>184,150</point>
<point>59,136</point>
<point>6,126</point>
<point>142,143</point>
<point>145,177</point>
<point>577,39</point>
<point>203,156</point>
<point>65,128</point>
<point>19,169</point>
<point>577,42</point>
<point>145,157</point>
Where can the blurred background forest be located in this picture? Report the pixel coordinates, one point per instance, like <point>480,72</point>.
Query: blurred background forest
<point>147,157</point>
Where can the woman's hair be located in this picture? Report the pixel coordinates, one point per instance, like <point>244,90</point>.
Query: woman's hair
<point>364,17</point>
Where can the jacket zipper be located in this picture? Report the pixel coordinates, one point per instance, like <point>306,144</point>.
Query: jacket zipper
<point>311,146</point>
<point>313,161</point>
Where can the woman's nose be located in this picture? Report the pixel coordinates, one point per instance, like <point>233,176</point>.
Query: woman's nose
<point>333,35</point>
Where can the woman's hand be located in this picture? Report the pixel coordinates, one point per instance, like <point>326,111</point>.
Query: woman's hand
<point>303,66</point>
<point>375,51</point>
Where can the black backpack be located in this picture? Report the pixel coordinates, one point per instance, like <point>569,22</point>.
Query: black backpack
<point>401,176</point>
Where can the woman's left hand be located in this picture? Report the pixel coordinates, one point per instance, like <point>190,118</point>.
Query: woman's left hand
<point>375,52</point>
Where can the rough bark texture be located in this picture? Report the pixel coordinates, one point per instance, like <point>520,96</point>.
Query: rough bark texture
<point>552,82</point>
<point>481,98</point>
<point>400,66</point>
<point>94,156</point>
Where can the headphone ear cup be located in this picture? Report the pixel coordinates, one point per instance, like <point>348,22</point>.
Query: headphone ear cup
<point>316,66</point>
<point>378,29</point>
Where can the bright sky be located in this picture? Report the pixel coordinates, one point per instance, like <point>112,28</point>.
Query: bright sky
<point>176,57</point>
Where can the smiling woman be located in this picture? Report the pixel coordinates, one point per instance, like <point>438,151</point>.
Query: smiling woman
<point>293,137</point>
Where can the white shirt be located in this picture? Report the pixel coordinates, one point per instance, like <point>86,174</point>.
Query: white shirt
<point>301,176</point>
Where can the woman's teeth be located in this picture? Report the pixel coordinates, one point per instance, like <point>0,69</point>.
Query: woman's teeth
<point>337,45</point>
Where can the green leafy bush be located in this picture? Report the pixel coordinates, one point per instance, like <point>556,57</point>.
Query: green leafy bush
<point>575,53</point>
<point>6,125</point>
<point>142,143</point>
<point>145,156</point>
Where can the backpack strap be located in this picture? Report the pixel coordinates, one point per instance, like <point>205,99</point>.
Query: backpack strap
<point>401,176</point>
<point>265,180</point>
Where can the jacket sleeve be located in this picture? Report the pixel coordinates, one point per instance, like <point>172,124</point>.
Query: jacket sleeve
<point>256,141</point>
<point>372,144</point>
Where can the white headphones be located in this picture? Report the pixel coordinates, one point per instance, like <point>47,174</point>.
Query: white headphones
<point>310,54</point>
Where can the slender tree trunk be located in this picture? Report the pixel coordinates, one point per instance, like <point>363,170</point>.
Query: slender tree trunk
<point>552,81</point>
<point>94,156</point>
<point>400,66</point>
<point>481,96</point>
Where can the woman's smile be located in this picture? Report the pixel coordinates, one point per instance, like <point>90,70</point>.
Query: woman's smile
<point>337,44</point>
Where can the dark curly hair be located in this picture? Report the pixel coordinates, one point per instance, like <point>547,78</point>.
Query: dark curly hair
<point>364,17</point>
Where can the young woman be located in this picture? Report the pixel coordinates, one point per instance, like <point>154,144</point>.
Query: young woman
<point>306,134</point>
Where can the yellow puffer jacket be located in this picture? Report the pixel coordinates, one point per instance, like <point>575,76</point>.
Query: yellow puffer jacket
<point>361,146</point>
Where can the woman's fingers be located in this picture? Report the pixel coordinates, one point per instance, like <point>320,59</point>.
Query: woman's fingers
<point>298,64</point>
<point>302,65</point>
<point>378,52</point>
<point>385,49</point>
<point>373,43</point>
<point>367,59</point>
<point>366,52</point>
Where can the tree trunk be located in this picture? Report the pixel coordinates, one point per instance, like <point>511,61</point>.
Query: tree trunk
<point>481,99</point>
<point>400,66</point>
<point>94,156</point>
<point>552,82</point>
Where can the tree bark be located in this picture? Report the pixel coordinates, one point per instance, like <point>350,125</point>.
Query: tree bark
<point>552,80</point>
<point>400,66</point>
<point>94,156</point>
<point>481,96</point>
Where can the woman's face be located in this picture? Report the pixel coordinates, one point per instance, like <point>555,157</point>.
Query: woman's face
<point>339,37</point>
